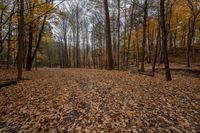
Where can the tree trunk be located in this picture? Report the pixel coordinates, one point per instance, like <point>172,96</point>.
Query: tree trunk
<point>28,62</point>
<point>124,49</point>
<point>9,39</point>
<point>20,39</point>
<point>84,53</point>
<point>114,42</point>
<point>164,39</point>
<point>118,33</point>
<point>144,34</point>
<point>30,43</point>
<point>66,51</point>
<point>87,48</point>
<point>149,37</point>
<point>130,31</point>
<point>108,37</point>
<point>190,37</point>
<point>1,20</point>
<point>157,44</point>
<point>38,42</point>
<point>137,45</point>
<point>74,47</point>
<point>69,57</point>
<point>174,38</point>
<point>77,37</point>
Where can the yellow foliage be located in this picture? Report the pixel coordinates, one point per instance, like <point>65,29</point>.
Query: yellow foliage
<point>129,113</point>
<point>40,56</point>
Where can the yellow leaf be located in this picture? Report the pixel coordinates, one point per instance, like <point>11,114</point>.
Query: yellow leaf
<point>129,113</point>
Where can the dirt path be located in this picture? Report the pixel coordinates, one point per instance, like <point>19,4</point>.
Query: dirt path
<point>86,100</point>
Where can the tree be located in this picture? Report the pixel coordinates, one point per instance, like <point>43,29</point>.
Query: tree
<point>124,50</point>
<point>9,44</point>
<point>30,41</point>
<point>157,44</point>
<point>118,32</point>
<point>6,16</point>
<point>20,52</point>
<point>130,32</point>
<point>30,56</point>
<point>144,34</point>
<point>164,39</point>
<point>77,37</point>
<point>30,62</point>
<point>194,13</point>
<point>108,36</point>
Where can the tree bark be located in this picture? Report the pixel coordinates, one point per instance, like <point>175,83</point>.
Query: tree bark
<point>66,63</point>
<point>20,39</point>
<point>144,34</point>
<point>157,44</point>
<point>137,45</point>
<point>164,40</point>
<point>1,20</point>
<point>118,33</point>
<point>191,31</point>
<point>130,31</point>
<point>124,49</point>
<point>38,43</point>
<point>28,62</point>
<point>87,48</point>
<point>77,37</point>
<point>9,39</point>
<point>108,36</point>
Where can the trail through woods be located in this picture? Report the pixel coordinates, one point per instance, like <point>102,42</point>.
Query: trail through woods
<point>86,100</point>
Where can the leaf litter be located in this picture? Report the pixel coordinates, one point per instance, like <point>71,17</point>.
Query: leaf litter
<point>88,100</point>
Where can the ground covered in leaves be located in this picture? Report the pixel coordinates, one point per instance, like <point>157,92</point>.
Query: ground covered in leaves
<point>86,100</point>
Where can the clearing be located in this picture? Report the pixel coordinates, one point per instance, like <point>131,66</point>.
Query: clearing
<point>88,100</point>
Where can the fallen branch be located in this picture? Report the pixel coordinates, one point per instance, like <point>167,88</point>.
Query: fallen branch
<point>147,74</point>
<point>7,83</point>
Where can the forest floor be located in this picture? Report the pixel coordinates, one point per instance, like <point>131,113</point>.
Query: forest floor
<point>88,100</point>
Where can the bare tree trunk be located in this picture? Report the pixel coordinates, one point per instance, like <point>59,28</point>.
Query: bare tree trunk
<point>66,51</point>
<point>164,40</point>
<point>157,44</point>
<point>74,47</point>
<point>70,48</point>
<point>77,37</point>
<point>9,39</point>
<point>87,48</point>
<point>169,24</point>
<point>130,31</point>
<point>1,20</point>
<point>174,38</point>
<point>36,63</point>
<point>144,34</point>
<point>191,31</point>
<point>20,39</point>
<point>28,60</point>
<point>149,44</point>
<point>100,46</point>
<point>137,45</point>
<point>118,33</point>
<point>108,37</point>
<point>84,53</point>
<point>25,51</point>
<point>93,48</point>
<point>114,42</point>
<point>101,52</point>
<point>124,50</point>
<point>28,63</point>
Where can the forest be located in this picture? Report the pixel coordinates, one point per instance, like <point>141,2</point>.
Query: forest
<point>100,66</point>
